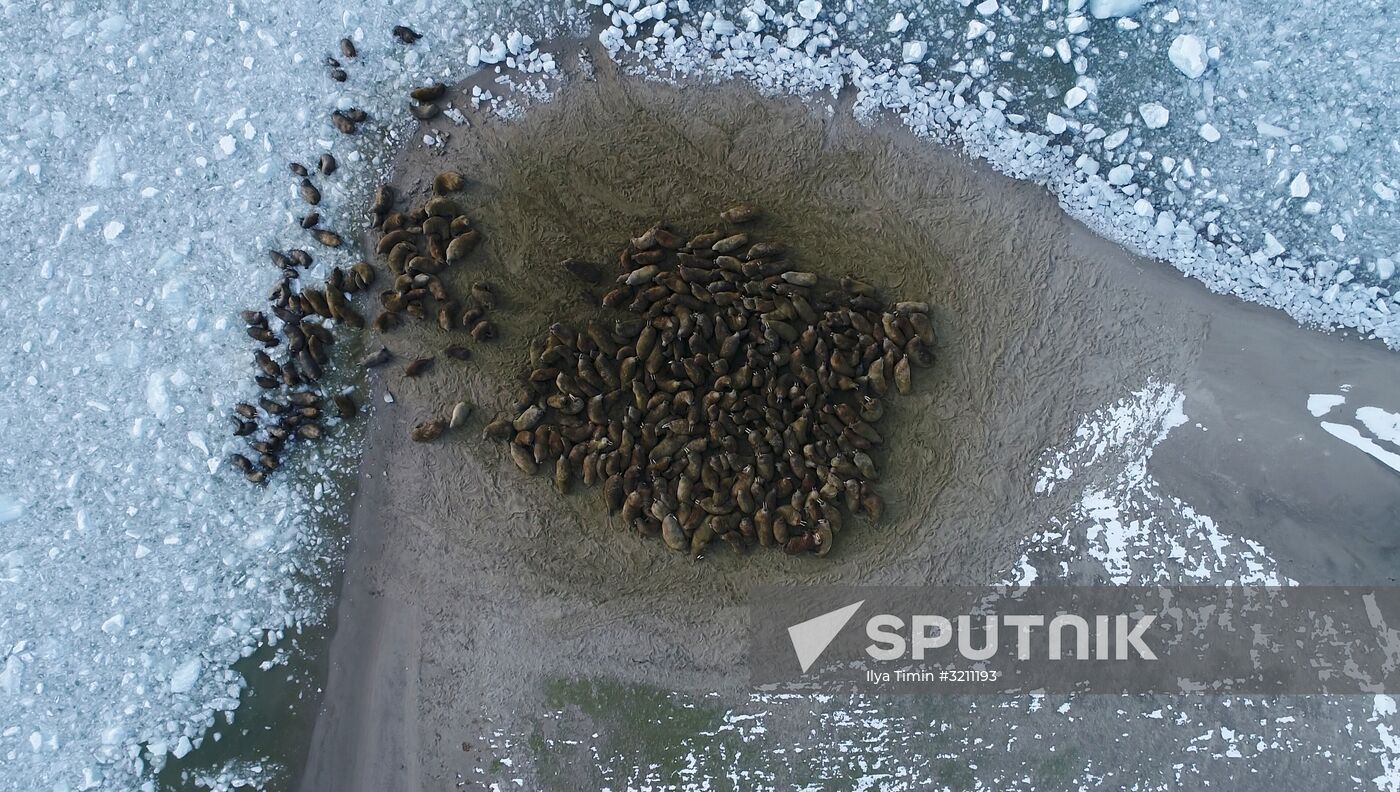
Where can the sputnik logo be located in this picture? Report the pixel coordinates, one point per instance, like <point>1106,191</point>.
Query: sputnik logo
<point>810,638</point>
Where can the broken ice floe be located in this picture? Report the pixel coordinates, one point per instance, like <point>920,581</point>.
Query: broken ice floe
<point>135,571</point>
<point>1180,206</point>
<point>1371,430</point>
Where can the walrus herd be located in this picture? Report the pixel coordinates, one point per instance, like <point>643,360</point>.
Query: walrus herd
<point>308,316</point>
<point>291,407</point>
<point>737,399</point>
<point>417,245</point>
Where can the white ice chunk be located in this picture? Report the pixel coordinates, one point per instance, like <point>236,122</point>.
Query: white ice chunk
<point>1054,124</point>
<point>10,678</point>
<point>1120,175</point>
<point>915,51</point>
<point>157,397</point>
<point>1272,247</point>
<point>113,735</point>
<point>1384,425</point>
<point>1319,404</point>
<point>497,53</point>
<point>10,508</point>
<point>808,9</point>
<point>183,678</point>
<point>987,7</point>
<point>1299,187</point>
<point>611,38</point>
<point>1269,130</point>
<point>85,214</point>
<point>1106,9</point>
<point>1210,133</point>
<point>1154,115</point>
<point>1075,96</point>
<point>1351,436</point>
<point>102,165</point>
<point>897,24</point>
<point>182,747</point>
<point>1188,54</point>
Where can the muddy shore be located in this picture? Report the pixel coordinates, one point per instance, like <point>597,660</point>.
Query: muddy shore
<point>470,590</point>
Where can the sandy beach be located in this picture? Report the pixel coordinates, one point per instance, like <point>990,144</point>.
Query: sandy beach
<point>472,592</point>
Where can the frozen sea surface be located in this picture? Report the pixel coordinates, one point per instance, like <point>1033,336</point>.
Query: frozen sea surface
<point>143,151</point>
<point>1251,146</point>
<point>143,166</point>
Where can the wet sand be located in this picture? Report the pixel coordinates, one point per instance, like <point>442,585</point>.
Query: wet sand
<point>470,588</point>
